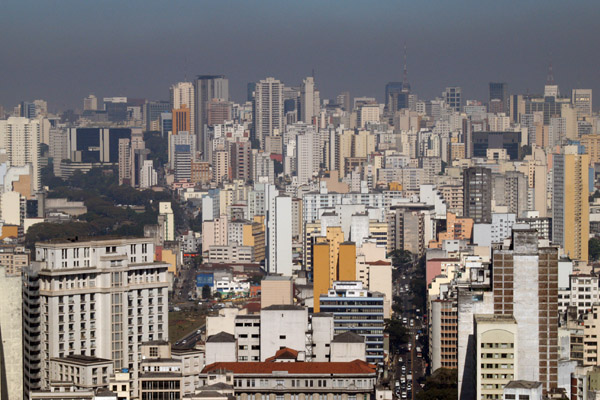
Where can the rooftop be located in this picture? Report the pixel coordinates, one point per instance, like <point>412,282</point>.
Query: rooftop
<point>523,385</point>
<point>82,359</point>
<point>307,368</point>
<point>221,337</point>
<point>348,337</point>
<point>283,307</point>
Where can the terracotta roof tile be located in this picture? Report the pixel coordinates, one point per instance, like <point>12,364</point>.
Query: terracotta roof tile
<point>317,368</point>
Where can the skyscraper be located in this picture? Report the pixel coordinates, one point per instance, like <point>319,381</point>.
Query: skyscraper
<point>309,100</point>
<point>268,109</point>
<point>396,96</point>
<point>453,97</point>
<point>570,206</point>
<point>278,232</point>
<point>182,94</point>
<point>582,101</point>
<point>90,103</point>
<point>477,192</point>
<point>181,120</point>
<point>206,88</point>
<point>499,91</point>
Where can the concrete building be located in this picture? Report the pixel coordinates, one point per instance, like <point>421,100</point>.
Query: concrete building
<point>346,299</point>
<point>570,206</point>
<point>278,235</point>
<point>497,353</point>
<point>182,95</point>
<point>523,390</point>
<point>282,326</point>
<point>206,88</point>
<point>529,292</point>
<point>83,291</point>
<point>83,372</point>
<point>20,138</point>
<point>339,380</point>
<point>221,347</point>
<point>166,216</point>
<point>453,98</point>
<point>276,290</point>
<point>247,334</point>
<point>268,110</point>
<point>11,335</point>
<point>477,192</point>
<point>347,347</point>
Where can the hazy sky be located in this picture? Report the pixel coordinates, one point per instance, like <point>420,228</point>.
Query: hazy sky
<point>61,51</point>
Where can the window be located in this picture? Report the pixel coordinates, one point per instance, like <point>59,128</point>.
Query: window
<point>153,351</point>
<point>282,337</point>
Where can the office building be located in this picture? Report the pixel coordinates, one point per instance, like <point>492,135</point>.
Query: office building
<point>219,112</point>
<point>347,299</point>
<point>241,160</point>
<point>182,96</point>
<point>268,110</point>
<point>477,192</point>
<point>96,145</point>
<point>221,166</point>
<point>98,298</point>
<point>570,206</point>
<point>152,110</point>
<point>207,88</point>
<point>499,92</point>
<point>180,120</point>
<point>453,97</point>
<point>396,97</point>
<point>582,102</point>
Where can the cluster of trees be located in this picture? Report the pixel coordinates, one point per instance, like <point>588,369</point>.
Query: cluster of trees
<point>441,385</point>
<point>107,207</point>
<point>594,249</point>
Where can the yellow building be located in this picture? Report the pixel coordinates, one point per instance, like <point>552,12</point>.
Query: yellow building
<point>570,205</point>
<point>181,119</point>
<point>254,236</point>
<point>333,260</point>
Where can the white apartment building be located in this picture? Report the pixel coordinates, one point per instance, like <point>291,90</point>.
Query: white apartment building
<point>11,329</point>
<point>20,137</point>
<point>96,298</point>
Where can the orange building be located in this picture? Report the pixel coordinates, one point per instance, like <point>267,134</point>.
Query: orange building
<point>457,228</point>
<point>181,119</point>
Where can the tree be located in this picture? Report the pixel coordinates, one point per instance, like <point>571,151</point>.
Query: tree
<point>206,292</point>
<point>594,249</point>
<point>217,295</point>
<point>397,333</point>
<point>441,385</point>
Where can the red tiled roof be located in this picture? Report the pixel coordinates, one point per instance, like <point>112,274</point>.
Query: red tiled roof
<point>284,354</point>
<point>317,368</point>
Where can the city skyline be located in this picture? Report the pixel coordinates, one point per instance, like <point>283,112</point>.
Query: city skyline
<point>91,48</point>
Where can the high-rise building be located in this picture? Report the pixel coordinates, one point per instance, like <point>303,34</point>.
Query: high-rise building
<point>268,110</point>
<point>309,100</point>
<point>477,192</point>
<point>453,97</point>
<point>96,145</point>
<point>219,111</point>
<point>278,232</point>
<point>148,175</point>
<point>499,91</point>
<point>11,333</point>
<point>181,120</point>
<point>343,99</point>
<point>396,97</point>
<point>98,298</point>
<point>346,300</point>
<point>206,88</point>
<point>152,110</point>
<point>570,206</point>
<point>124,162</point>
<point>20,138</point>
<point>241,160</point>
<point>525,281</point>
<point>582,101</point>
<point>332,260</point>
<point>221,166</point>
<point>90,103</point>
<point>183,162</point>
<point>167,220</point>
<point>182,96</point>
